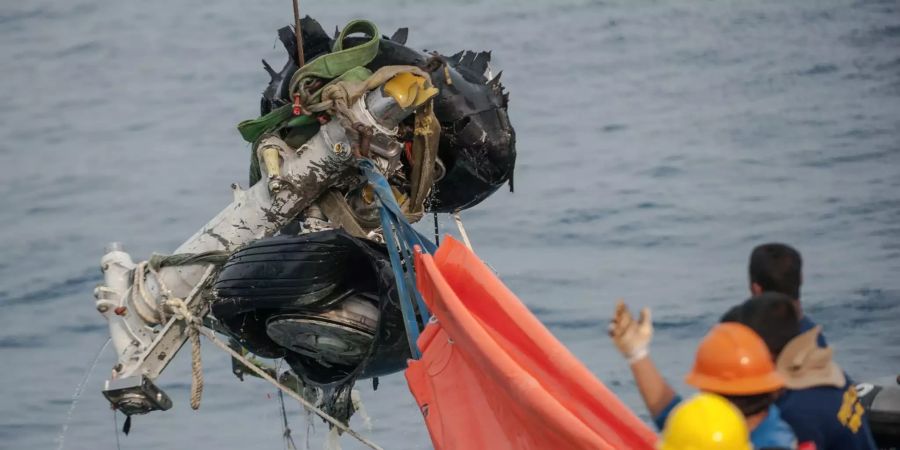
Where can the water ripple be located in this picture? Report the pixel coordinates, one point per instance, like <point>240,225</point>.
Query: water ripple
<point>54,291</point>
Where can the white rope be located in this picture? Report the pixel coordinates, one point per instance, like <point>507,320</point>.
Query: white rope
<point>262,374</point>
<point>151,312</point>
<point>144,303</point>
<point>164,290</point>
<point>180,310</point>
<point>462,230</point>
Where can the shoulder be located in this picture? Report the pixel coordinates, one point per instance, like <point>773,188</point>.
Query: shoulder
<point>810,408</point>
<point>827,415</point>
<point>773,432</point>
<point>807,324</point>
<point>802,397</point>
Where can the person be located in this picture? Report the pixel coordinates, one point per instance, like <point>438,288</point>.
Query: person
<point>731,361</point>
<point>820,403</point>
<point>777,267</point>
<point>706,421</point>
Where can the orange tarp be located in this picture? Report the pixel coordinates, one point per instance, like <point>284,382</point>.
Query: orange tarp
<point>492,377</point>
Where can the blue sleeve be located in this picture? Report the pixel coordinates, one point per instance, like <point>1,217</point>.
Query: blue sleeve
<point>660,420</point>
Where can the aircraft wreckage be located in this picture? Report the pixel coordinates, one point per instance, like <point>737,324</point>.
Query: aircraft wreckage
<point>297,267</point>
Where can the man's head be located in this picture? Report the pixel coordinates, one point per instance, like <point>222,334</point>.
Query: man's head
<point>733,361</point>
<point>771,315</point>
<point>797,355</point>
<point>776,267</point>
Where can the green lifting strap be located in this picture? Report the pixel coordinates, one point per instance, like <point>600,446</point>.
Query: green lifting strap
<point>340,60</point>
<point>339,65</point>
<point>252,129</point>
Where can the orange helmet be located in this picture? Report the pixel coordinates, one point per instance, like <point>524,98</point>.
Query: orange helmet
<point>733,360</point>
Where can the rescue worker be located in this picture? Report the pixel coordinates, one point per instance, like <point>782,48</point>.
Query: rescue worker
<point>776,267</point>
<point>820,403</point>
<point>731,361</point>
<point>705,421</point>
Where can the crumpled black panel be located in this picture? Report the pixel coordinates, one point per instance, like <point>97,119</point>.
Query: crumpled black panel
<point>478,143</point>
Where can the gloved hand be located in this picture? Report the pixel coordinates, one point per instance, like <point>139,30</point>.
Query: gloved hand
<point>631,337</point>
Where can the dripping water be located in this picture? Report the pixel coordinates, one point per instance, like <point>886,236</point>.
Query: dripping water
<point>77,395</point>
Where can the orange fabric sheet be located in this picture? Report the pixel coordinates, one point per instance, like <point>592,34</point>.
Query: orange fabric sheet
<point>492,377</point>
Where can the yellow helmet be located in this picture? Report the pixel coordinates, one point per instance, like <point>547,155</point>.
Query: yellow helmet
<point>705,422</point>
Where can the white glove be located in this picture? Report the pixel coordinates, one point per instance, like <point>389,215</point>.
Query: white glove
<point>631,338</point>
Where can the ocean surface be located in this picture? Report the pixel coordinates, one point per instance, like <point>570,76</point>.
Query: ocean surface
<point>659,141</point>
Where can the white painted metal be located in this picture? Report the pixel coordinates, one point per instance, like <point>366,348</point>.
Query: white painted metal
<point>144,348</point>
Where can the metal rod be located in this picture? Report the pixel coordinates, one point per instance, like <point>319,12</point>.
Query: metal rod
<point>437,231</point>
<point>299,34</point>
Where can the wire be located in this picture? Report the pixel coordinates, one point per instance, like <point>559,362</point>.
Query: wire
<point>286,429</point>
<point>211,336</point>
<point>116,429</point>
<point>437,231</point>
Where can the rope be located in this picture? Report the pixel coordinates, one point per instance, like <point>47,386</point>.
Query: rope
<point>211,336</point>
<point>214,257</point>
<point>182,312</point>
<point>196,369</point>
<point>116,429</point>
<point>462,229</point>
<point>286,433</point>
<point>145,304</point>
<point>164,290</point>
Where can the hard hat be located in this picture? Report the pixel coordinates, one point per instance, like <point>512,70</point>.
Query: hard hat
<point>733,360</point>
<point>705,422</point>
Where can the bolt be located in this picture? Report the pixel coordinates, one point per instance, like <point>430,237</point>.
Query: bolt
<point>162,356</point>
<point>120,311</point>
<point>365,139</point>
<point>102,308</point>
<point>117,367</point>
<point>275,185</point>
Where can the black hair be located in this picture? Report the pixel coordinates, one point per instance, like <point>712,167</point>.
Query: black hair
<point>777,267</point>
<point>771,315</point>
<point>752,404</point>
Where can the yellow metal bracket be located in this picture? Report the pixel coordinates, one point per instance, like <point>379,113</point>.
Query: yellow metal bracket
<point>409,90</point>
<point>272,160</point>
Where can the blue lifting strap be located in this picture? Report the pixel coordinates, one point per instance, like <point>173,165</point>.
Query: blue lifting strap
<point>399,238</point>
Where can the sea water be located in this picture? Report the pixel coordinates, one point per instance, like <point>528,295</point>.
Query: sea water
<point>659,141</point>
